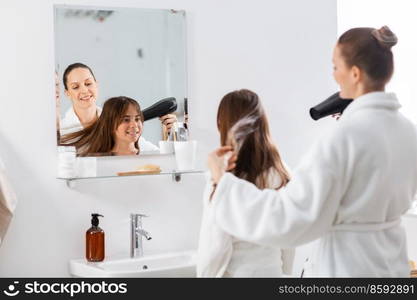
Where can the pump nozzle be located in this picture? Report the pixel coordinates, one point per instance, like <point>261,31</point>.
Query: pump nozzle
<point>332,105</point>
<point>94,219</point>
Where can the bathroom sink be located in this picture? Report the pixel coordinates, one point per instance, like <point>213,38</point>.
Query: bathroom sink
<point>177,264</point>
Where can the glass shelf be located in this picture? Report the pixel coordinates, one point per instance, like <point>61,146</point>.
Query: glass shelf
<point>176,176</point>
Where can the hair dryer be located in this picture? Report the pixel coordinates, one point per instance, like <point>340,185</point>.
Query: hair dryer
<point>160,108</point>
<point>332,105</point>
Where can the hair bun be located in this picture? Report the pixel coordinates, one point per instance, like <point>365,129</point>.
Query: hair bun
<point>385,36</point>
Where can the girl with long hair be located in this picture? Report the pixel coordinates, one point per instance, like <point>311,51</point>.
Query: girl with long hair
<point>243,125</point>
<point>116,131</point>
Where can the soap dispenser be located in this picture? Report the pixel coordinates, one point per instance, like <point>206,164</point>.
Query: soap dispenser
<point>94,238</point>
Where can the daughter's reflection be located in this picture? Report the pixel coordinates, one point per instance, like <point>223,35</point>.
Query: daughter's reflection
<point>116,131</point>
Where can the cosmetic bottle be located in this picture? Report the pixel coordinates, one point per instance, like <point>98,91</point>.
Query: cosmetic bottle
<point>94,238</point>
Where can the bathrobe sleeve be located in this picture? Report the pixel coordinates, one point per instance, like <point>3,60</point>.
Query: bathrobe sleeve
<point>296,214</point>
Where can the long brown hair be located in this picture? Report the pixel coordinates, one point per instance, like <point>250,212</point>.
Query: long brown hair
<point>98,138</point>
<point>243,124</point>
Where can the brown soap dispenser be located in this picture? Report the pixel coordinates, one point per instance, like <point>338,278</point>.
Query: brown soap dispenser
<point>94,238</point>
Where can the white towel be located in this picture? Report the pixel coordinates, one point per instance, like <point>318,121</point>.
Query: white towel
<point>8,201</point>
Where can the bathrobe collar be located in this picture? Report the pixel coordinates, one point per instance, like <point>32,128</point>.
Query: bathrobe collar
<point>70,123</point>
<point>380,100</point>
<point>71,116</point>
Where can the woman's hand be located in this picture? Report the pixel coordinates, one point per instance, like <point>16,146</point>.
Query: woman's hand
<point>168,120</point>
<point>221,160</point>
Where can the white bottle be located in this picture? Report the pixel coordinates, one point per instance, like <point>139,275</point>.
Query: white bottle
<point>66,162</point>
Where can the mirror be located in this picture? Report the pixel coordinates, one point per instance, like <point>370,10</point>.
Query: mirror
<point>132,52</point>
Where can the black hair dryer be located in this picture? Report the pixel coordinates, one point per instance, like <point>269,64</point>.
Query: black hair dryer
<point>160,108</point>
<point>332,105</point>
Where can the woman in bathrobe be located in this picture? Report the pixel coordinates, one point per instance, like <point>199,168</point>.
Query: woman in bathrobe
<point>242,122</point>
<point>349,192</point>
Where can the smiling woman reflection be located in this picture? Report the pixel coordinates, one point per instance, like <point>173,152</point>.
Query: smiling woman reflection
<point>81,87</point>
<point>116,131</point>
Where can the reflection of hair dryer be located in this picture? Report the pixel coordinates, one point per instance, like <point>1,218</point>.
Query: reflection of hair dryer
<point>332,105</point>
<point>160,108</point>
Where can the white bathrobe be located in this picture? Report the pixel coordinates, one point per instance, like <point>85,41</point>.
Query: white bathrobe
<point>348,194</point>
<point>71,123</point>
<point>222,255</point>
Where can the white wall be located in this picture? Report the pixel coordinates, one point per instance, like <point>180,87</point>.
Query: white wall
<point>281,49</point>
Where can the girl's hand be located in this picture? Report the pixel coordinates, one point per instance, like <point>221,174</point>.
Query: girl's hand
<point>221,160</point>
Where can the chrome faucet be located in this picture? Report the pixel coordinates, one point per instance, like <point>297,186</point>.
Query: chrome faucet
<point>136,233</point>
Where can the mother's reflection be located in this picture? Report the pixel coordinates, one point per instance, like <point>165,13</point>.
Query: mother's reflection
<point>81,87</point>
<point>117,131</point>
